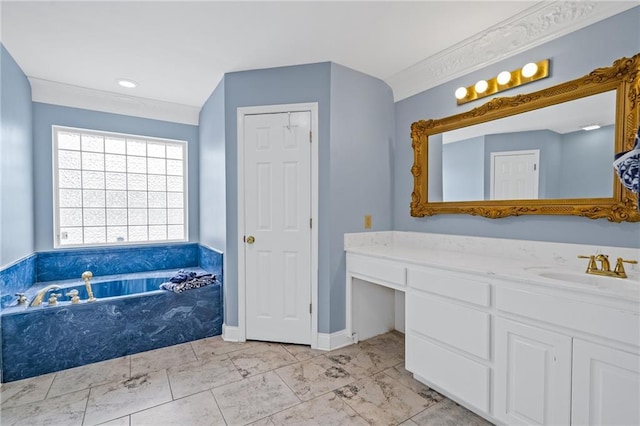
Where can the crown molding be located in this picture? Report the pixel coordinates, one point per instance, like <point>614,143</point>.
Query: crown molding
<point>537,25</point>
<point>52,92</point>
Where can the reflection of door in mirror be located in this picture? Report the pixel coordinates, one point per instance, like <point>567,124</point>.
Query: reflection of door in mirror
<point>573,163</point>
<point>514,175</point>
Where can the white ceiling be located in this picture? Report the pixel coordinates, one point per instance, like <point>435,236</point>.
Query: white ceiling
<point>178,51</point>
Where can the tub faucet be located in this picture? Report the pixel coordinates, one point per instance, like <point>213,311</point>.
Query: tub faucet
<point>86,276</point>
<point>37,301</point>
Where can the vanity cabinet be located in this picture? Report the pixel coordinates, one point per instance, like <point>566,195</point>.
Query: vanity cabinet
<point>514,350</point>
<point>532,375</point>
<point>606,385</point>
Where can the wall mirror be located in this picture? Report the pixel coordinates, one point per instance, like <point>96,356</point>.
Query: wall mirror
<point>529,154</point>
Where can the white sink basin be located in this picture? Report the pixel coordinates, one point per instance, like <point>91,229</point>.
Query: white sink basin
<point>576,278</point>
<point>626,287</point>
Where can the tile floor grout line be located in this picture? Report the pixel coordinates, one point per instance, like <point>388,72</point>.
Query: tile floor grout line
<point>173,398</point>
<point>193,351</point>
<point>218,405</point>
<point>46,396</point>
<point>86,406</point>
<point>155,406</point>
<point>287,384</point>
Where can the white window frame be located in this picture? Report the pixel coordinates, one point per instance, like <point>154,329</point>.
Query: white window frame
<point>55,177</point>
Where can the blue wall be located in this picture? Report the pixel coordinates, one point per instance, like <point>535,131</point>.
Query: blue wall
<point>462,170</point>
<point>213,204</point>
<point>605,42</point>
<point>47,115</point>
<point>16,166</point>
<point>581,173</point>
<point>360,169</point>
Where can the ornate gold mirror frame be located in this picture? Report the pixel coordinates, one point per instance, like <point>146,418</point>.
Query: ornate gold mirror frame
<point>623,77</point>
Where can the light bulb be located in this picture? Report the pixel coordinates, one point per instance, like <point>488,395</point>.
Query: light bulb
<point>481,86</point>
<point>504,77</point>
<point>529,70</point>
<point>461,92</point>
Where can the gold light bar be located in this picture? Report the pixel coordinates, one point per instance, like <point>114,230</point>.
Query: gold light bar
<point>532,71</point>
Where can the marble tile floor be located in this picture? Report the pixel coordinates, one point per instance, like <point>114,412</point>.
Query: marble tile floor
<point>213,382</point>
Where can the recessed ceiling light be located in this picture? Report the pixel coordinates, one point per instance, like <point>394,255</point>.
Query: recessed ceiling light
<point>591,127</point>
<point>127,83</point>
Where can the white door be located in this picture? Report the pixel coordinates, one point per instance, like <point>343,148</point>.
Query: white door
<point>277,203</point>
<point>606,386</point>
<point>532,375</point>
<point>514,175</point>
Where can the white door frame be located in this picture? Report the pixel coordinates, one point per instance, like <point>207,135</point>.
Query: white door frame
<point>274,109</point>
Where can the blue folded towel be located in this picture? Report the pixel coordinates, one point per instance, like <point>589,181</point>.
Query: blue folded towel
<point>182,276</point>
<point>627,166</point>
<point>194,282</point>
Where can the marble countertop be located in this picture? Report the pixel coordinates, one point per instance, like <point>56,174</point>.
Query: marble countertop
<point>509,260</point>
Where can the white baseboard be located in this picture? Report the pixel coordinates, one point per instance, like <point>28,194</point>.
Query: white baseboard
<point>331,341</point>
<point>232,334</point>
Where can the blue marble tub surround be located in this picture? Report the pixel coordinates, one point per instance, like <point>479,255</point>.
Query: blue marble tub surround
<point>52,338</point>
<point>43,339</point>
<point>71,263</point>
<point>210,259</point>
<point>17,278</point>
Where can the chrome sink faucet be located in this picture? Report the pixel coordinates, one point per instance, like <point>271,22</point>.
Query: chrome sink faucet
<point>37,301</point>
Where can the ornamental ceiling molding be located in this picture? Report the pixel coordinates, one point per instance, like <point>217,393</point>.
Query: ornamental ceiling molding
<point>537,25</point>
<point>51,92</point>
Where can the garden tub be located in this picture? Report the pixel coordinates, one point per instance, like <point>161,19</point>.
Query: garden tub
<point>131,314</point>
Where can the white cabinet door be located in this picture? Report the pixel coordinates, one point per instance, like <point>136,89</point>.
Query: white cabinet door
<point>606,386</point>
<point>532,375</point>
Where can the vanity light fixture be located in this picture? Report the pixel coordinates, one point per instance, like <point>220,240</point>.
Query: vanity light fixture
<point>129,84</point>
<point>591,127</point>
<point>505,80</point>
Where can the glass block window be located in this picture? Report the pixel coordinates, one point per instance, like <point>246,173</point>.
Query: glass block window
<point>112,188</point>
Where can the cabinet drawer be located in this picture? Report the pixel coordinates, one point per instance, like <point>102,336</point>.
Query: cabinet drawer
<point>459,326</point>
<point>453,285</point>
<point>602,321</point>
<point>453,373</point>
<point>377,269</point>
